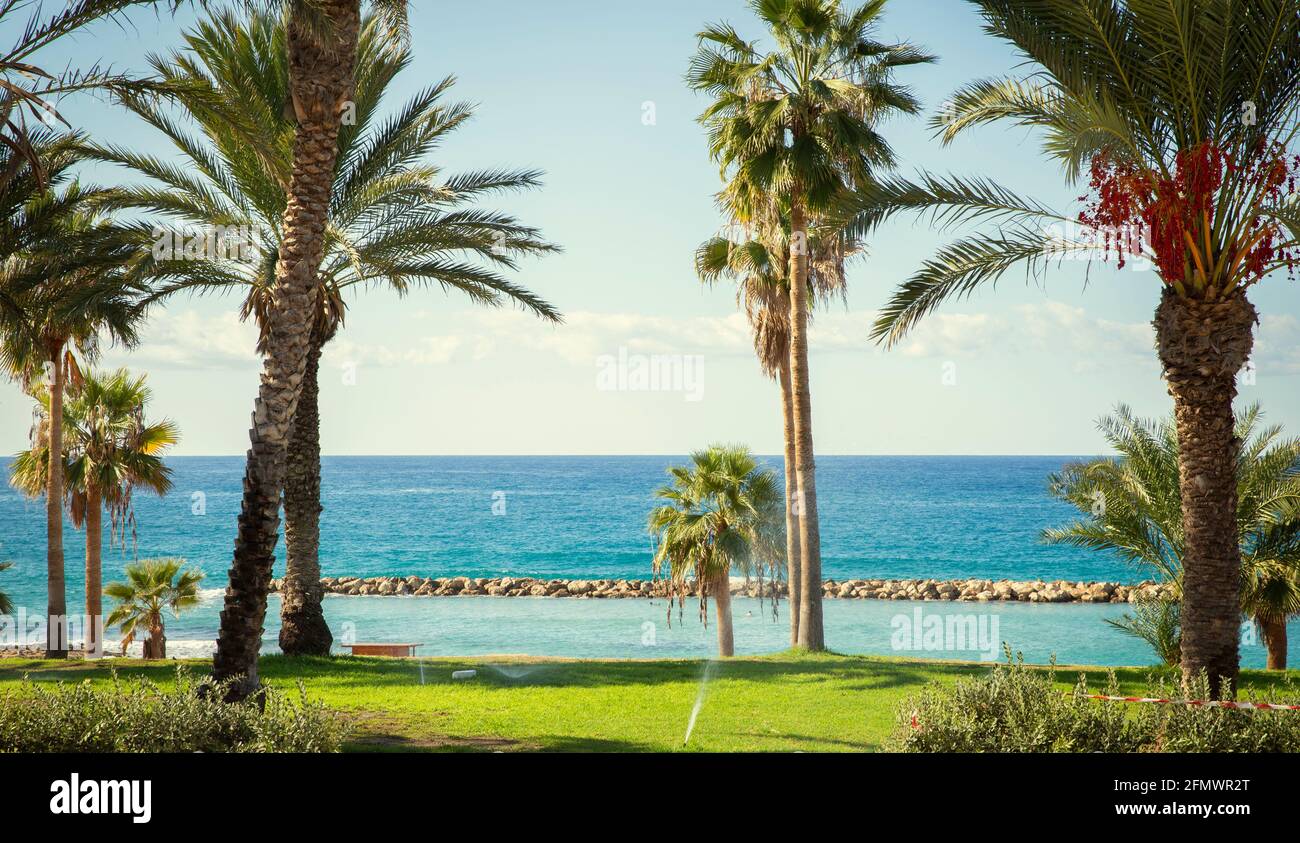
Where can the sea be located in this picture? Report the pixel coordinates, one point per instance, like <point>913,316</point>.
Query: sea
<point>583,517</point>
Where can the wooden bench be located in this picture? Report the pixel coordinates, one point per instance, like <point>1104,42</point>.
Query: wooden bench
<point>383,649</point>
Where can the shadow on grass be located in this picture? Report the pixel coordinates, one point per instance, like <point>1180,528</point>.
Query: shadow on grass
<point>791,668</point>
<point>853,673</point>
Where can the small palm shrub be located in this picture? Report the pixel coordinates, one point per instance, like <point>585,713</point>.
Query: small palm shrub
<point>1018,709</point>
<point>140,716</point>
<point>1157,620</point>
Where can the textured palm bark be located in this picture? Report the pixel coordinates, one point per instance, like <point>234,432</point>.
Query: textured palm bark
<point>1274,631</point>
<point>726,634</point>
<point>791,519</point>
<point>321,80</point>
<point>303,631</point>
<point>155,645</point>
<point>56,630</point>
<point>811,634</point>
<point>1202,346</point>
<point>94,575</point>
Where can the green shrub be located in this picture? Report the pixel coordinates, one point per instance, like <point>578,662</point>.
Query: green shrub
<point>139,716</point>
<point>1019,709</point>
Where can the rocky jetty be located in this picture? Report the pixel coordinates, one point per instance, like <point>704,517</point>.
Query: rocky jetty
<point>1022,591</point>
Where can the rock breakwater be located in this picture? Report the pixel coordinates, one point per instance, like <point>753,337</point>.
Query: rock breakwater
<point>973,590</point>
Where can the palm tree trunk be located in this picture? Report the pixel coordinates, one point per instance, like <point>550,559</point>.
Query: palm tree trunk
<point>811,635</point>
<point>1203,345</point>
<point>791,519</point>
<point>56,630</point>
<point>321,80</point>
<point>1274,631</point>
<point>726,633</point>
<point>94,574</point>
<point>303,631</point>
<point>155,646</point>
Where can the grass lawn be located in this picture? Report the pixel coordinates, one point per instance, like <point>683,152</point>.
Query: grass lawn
<point>782,702</point>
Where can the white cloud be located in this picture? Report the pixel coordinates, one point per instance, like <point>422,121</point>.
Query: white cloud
<point>585,335</point>
<point>188,340</point>
<point>955,335</point>
<point>1277,346</point>
<point>427,351</point>
<point>1049,328</point>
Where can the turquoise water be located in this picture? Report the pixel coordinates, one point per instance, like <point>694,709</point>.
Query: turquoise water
<point>583,517</point>
<point>640,629</point>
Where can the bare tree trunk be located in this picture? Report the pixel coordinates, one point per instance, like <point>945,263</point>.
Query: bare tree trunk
<point>303,631</point>
<point>726,634</point>
<point>793,567</point>
<point>94,574</point>
<point>56,630</point>
<point>321,81</point>
<point>1274,631</point>
<point>1203,345</point>
<point>811,634</point>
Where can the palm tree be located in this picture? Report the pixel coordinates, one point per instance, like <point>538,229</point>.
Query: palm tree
<point>6,605</point>
<point>395,220</point>
<point>27,92</point>
<point>1181,114</point>
<point>759,266</point>
<point>1132,506</point>
<point>152,587</point>
<point>795,128</point>
<point>31,207</point>
<point>67,290</point>
<point>113,451</point>
<point>721,513</point>
<point>109,450</point>
<point>1157,620</point>
<point>321,46</point>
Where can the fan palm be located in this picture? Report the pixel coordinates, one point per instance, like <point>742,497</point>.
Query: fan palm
<point>721,514</point>
<point>66,290</point>
<point>795,128</point>
<point>758,264</point>
<point>152,588</point>
<point>1132,506</point>
<point>112,451</point>
<point>109,450</point>
<point>394,221</point>
<point>1181,114</point>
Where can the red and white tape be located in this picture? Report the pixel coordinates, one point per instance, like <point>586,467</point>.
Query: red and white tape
<point>1204,703</point>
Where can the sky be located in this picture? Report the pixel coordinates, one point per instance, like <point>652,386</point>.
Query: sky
<point>593,94</point>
